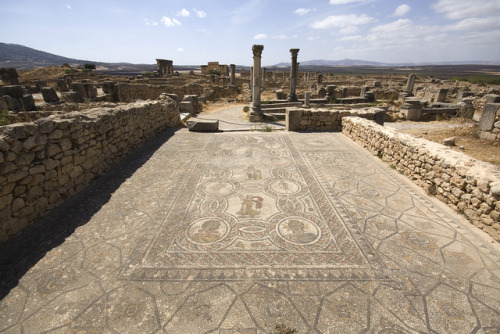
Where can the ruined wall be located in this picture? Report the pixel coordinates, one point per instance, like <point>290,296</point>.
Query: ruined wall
<point>469,186</point>
<point>44,162</point>
<point>324,119</point>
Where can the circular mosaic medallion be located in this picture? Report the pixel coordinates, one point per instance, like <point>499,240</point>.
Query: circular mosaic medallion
<point>298,231</point>
<point>207,231</point>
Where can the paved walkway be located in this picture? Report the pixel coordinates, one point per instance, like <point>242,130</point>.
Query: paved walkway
<point>232,119</point>
<point>246,232</point>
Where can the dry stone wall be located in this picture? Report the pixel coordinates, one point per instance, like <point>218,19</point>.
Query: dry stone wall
<point>44,162</point>
<point>469,186</point>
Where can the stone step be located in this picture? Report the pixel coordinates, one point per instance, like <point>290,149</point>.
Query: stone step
<point>203,125</point>
<point>274,116</point>
<point>274,110</point>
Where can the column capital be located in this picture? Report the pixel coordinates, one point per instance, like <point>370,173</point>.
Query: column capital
<point>257,50</point>
<point>294,52</point>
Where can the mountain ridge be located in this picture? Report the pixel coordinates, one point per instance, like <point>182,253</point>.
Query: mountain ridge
<point>22,57</point>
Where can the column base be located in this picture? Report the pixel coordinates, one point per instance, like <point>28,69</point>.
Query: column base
<point>293,98</point>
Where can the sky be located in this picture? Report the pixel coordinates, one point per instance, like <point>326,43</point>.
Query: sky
<point>194,32</point>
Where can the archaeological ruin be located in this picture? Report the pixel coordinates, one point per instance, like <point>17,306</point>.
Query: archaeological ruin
<point>58,137</point>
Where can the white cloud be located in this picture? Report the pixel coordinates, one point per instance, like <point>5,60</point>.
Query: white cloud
<point>184,13</point>
<point>349,30</point>
<point>401,10</point>
<point>180,49</point>
<point>201,14</point>
<point>477,24</point>
<point>343,2</point>
<point>352,38</point>
<point>282,36</point>
<point>260,36</point>
<point>150,22</point>
<point>404,34</point>
<point>342,21</point>
<point>168,22</point>
<point>461,9</point>
<point>313,38</point>
<point>302,11</point>
<point>68,6</point>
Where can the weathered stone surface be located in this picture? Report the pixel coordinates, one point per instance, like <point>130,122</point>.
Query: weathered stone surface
<point>15,91</point>
<point>203,126</point>
<point>49,95</point>
<point>45,160</point>
<point>449,141</point>
<point>474,179</point>
<point>72,97</point>
<point>249,233</point>
<point>488,116</point>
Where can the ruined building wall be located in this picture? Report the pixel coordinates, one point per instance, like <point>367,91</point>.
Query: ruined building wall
<point>44,162</point>
<point>469,186</point>
<point>325,120</point>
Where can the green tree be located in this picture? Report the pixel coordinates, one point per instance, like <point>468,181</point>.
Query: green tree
<point>89,67</point>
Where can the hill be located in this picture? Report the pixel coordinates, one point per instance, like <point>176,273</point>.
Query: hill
<point>25,58</point>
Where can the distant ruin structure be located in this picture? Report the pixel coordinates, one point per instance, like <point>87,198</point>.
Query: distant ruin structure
<point>165,67</point>
<point>214,66</point>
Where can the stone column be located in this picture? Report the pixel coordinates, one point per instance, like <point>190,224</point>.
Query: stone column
<point>251,83</point>
<point>307,100</point>
<point>293,76</point>
<point>256,112</point>
<point>233,74</point>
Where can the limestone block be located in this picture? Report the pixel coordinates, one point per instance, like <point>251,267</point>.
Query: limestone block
<point>49,95</point>
<point>492,98</point>
<point>11,103</point>
<point>71,97</point>
<point>28,103</point>
<point>488,116</point>
<point>203,126</point>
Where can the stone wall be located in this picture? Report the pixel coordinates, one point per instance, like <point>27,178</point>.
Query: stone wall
<point>44,162</point>
<point>469,186</point>
<point>302,119</point>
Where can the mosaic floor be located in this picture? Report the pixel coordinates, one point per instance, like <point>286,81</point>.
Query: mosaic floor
<point>245,231</point>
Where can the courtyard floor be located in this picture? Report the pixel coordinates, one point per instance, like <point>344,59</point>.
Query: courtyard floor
<point>251,232</point>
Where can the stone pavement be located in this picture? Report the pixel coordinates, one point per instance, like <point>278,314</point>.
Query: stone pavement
<point>242,232</point>
<point>231,119</point>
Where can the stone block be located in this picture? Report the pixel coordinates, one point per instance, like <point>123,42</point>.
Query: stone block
<point>187,107</point>
<point>9,76</point>
<point>49,95</point>
<point>62,85</point>
<point>71,97</point>
<point>488,116</point>
<point>28,103</point>
<point>90,91</point>
<point>11,103</point>
<point>15,91</point>
<point>107,87</point>
<point>78,87</point>
<point>492,98</point>
<point>203,126</point>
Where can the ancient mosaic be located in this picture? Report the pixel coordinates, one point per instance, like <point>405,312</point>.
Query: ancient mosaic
<point>252,207</point>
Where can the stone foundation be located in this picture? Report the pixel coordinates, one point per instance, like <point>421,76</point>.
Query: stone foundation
<point>42,163</point>
<point>325,119</point>
<point>469,186</point>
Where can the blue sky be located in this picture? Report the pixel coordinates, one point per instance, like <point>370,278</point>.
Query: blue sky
<point>192,32</point>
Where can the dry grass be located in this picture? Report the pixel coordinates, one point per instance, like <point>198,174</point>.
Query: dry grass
<point>476,148</point>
